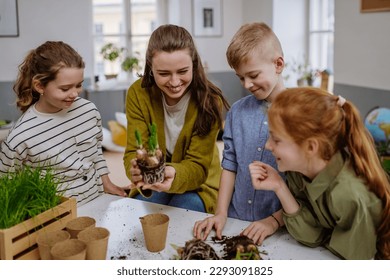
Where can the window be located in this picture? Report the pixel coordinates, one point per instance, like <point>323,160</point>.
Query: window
<point>321,30</point>
<point>125,23</point>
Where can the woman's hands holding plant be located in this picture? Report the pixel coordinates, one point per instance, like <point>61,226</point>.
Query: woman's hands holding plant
<point>137,180</point>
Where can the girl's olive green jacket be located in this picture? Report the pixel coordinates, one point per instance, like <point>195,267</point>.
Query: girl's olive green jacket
<point>337,211</point>
<point>195,159</point>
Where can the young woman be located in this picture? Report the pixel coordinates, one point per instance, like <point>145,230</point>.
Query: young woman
<point>175,94</point>
<point>337,193</point>
<point>58,129</point>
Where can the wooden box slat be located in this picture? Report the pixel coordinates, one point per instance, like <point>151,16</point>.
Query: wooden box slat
<point>19,241</point>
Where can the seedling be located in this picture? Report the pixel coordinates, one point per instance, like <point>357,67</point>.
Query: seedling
<point>150,160</point>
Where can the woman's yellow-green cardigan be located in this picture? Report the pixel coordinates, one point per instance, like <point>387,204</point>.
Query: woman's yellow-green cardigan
<point>195,159</point>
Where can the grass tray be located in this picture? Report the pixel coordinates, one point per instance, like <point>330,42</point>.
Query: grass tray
<point>19,242</point>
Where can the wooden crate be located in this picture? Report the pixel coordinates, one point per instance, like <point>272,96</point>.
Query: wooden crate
<point>19,241</point>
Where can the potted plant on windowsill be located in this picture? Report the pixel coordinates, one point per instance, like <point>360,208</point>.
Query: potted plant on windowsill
<point>131,64</point>
<point>112,53</point>
<point>304,72</point>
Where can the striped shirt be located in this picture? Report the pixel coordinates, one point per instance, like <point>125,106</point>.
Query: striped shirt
<point>68,142</point>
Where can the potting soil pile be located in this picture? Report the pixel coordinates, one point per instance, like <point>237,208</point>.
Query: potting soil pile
<point>234,248</point>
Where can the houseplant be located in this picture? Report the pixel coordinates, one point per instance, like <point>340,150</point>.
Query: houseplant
<point>150,159</point>
<point>112,53</point>
<point>130,63</point>
<point>304,72</point>
<point>25,194</point>
<point>384,155</point>
<point>377,121</point>
<point>30,204</point>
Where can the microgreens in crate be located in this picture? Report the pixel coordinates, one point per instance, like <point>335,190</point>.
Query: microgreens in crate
<point>26,193</point>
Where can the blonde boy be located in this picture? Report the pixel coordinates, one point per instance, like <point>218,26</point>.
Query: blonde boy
<point>256,55</point>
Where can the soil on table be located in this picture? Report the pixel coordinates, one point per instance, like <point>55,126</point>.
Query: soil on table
<point>235,247</point>
<point>238,247</point>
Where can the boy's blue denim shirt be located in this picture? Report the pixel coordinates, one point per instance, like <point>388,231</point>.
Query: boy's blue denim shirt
<point>244,137</point>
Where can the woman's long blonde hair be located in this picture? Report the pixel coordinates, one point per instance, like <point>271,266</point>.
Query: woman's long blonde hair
<point>337,125</point>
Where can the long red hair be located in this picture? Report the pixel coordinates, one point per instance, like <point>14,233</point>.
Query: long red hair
<point>337,125</point>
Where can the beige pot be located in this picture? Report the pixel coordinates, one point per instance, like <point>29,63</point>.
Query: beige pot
<point>71,249</point>
<point>78,224</point>
<point>96,239</point>
<point>46,240</point>
<point>155,229</point>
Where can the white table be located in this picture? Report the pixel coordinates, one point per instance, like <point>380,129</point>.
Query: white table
<point>121,216</point>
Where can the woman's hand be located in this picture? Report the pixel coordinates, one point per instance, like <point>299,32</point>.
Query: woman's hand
<point>169,176</point>
<point>203,228</point>
<point>137,180</point>
<point>136,176</point>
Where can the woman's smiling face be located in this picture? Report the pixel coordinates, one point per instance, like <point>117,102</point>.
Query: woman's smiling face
<point>172,73</point>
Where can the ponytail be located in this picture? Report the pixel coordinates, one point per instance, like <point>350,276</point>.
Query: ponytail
<point>367,165</point>
<point>337,125</point>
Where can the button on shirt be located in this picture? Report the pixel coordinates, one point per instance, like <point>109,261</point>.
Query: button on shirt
<point>245,135</point>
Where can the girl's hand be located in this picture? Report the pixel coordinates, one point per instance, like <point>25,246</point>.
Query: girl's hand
<point>260,230</point>
<point>203,228</point>
<point>264,177</point>
<point>111,188</point>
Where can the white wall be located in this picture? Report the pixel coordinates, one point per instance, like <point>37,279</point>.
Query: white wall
<point>257,10</point>
<point>42,20</point>
<point>290,24</point>
<point>211,49</point>
<point>362,46</point>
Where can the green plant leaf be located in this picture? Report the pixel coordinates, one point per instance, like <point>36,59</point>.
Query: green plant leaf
<point>26,193</point>
<point>138,138</point>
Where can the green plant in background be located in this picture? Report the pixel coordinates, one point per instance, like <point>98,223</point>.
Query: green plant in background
<point>111,52</point>
<point>26,193</point>
<point>131,63</point>
<point>304,72</point>
<point>386,165</point>
<point>383,151</point>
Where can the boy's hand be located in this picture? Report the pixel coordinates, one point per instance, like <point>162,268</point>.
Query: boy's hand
<point>203,228</point>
